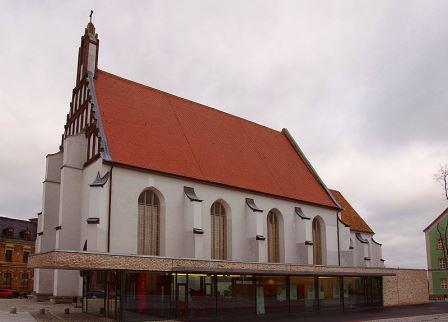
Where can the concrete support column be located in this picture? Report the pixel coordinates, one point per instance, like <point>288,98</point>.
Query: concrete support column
<point>47,220</point>
<point>68,231</point>
<point>193,227</point>
<point>256,236</point>
<point>96,219</point>
<point>367,255</point>
<point>303,239</point>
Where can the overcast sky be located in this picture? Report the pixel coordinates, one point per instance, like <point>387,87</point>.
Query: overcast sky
<point>361,85</point>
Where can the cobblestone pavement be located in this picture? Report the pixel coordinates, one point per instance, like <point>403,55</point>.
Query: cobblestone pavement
<point>19,317</point>
<point>422,318</point>
<point>28,311</point>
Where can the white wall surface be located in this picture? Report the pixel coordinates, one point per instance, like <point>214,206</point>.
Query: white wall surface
<point>72,201</point>
<point>371,250</point>
<point>128,184</point>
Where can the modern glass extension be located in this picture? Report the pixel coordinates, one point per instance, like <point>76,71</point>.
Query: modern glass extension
<point>143,296</point>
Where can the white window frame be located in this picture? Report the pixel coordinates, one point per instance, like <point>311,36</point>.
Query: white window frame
<point>444,284</point>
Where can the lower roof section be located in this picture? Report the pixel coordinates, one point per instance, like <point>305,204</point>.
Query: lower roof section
<point>79,260</point>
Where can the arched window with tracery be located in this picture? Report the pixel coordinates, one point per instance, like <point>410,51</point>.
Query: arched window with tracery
<point>218,231</point>
<point>273,237</point>
<point>317,241</point>
<point>148,223</point>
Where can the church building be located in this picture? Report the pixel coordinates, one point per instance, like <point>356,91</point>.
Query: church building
<point>157,206</point>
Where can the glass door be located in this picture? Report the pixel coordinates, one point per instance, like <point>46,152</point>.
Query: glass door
<point>181,295</point>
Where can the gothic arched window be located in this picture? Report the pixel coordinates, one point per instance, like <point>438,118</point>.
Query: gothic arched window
<point>148,223</point>
<point>273,238</point>
<point>218,231</point>
<point>317,241</point>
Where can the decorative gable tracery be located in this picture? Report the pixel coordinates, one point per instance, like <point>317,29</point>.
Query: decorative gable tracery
<point>82,118</point>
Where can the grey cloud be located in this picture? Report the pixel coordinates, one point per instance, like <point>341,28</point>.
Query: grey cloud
<point>361,85</point>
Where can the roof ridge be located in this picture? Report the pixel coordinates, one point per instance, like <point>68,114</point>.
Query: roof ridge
<point>16,219</point>
<point>435,220</point>
<point>186,99</point>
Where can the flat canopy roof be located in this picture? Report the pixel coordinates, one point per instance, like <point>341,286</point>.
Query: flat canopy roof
<point>80,260</point>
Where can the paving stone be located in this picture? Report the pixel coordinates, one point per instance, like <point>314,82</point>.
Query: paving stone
<point>19,317</point>
<point>419,318</point>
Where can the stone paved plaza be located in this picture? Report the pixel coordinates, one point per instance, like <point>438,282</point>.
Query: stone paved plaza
<point>28,311</point>
<point>424,318</point>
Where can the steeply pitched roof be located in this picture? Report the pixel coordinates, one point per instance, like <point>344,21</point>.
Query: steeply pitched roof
<point>150,129</point>
<point>349,215</point>
<point>436,220</point>
<point>18,226</point>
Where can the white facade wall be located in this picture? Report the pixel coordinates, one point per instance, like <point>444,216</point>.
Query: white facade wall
<point>346,245</point>
<point>95,204</point>
<point>361,251</point>
<point>43,278</point>
<point>67,283</point>
<point>69,200</point>
<point>177,235</point>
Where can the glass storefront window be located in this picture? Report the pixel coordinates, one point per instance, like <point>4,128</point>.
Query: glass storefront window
<point>329,293</point>
<point>235,295</point>
<point>374,291</point>
<point>354,292</point>
<point>201,295</point>
<point>95,292</point>
<point>181,295</point>
<point>111,294</point>
<point>302,293</point>
<point>271,295</point>
<point>147,295</point>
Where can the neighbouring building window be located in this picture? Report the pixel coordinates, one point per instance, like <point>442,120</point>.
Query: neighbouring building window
<point>7,278</point>
<point>273,237</point>
<point>218,225</point>
<point>8,232</point>
<point>25,234</point>
<point>24,281</point>
<point>25,257</point>
<point>444,284</point>
<point>440,243</point>
<point>442,263</point>
<point>317,241</point>
<point>8,255</point>
<point>148,223</point>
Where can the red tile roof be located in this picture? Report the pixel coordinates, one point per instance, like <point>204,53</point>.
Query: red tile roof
<point>349,215</point>
<point>150,129</point>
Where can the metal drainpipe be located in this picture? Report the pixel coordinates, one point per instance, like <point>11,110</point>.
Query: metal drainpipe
<point>337,229</point>
<point>110,206</point>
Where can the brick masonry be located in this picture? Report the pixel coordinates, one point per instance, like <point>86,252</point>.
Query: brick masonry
<point>16,266</point>
<point>400,286</point>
